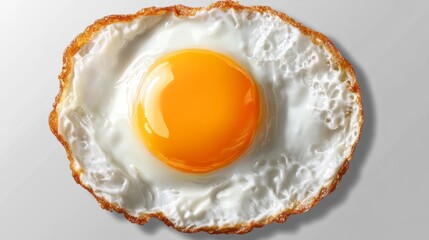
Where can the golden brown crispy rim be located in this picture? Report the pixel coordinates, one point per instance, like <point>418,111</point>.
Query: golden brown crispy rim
<point>184,11</point>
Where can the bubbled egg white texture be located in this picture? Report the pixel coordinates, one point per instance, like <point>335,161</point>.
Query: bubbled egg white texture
<point>310,119</point>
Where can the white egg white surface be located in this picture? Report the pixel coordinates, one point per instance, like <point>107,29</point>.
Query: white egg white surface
<point>311,120</point>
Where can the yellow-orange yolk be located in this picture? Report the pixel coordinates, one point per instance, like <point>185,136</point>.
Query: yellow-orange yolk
<point>197,110</point>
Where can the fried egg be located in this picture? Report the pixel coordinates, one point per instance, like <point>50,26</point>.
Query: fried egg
<point>216,119</point>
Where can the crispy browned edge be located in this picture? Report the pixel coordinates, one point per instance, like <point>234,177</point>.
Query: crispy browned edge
<point>181,10</point>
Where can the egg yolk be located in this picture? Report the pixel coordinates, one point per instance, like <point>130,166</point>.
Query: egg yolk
<point>197,110</point>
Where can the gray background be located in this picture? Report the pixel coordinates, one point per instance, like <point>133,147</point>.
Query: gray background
<point>383,195</point>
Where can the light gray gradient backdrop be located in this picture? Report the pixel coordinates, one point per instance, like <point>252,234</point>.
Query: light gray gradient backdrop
<point>384,194</point>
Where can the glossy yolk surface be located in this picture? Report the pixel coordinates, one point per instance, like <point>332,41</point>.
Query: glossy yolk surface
<point>197,110</point>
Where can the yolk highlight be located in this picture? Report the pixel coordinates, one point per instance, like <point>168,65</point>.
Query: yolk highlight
<point>197,110</point>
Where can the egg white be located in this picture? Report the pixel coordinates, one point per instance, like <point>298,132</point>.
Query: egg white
<point>310,119</point>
